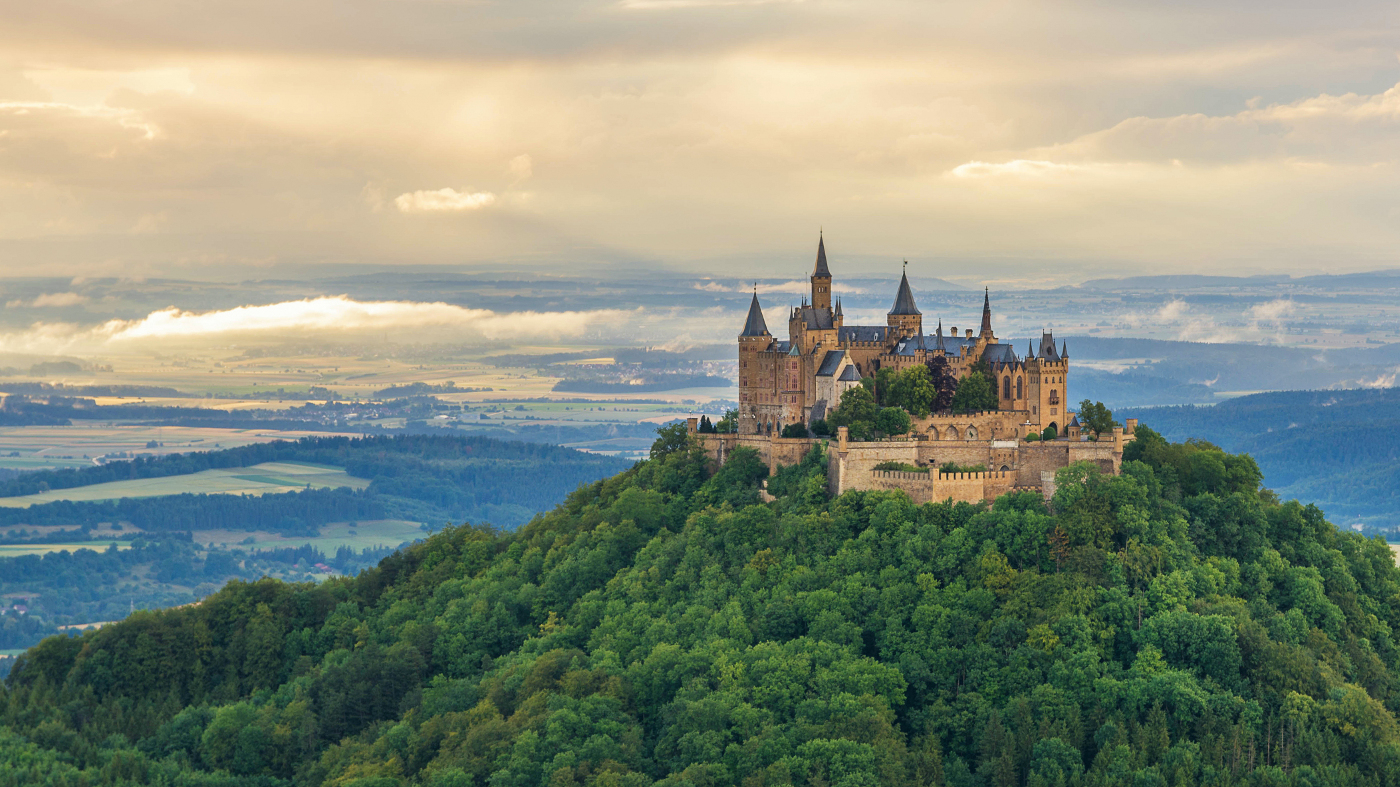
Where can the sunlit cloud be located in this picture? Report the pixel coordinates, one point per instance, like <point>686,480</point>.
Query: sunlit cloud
<point>1023,168</point>
<point>321,318</point>
<point>443,201</point>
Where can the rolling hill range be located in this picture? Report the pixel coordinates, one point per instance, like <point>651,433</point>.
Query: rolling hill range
<point>1338,449</point>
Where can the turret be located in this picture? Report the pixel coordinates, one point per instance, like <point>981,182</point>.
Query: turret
<point>821,278</point>
<point>904,317</point>
<point>987,314</point>
<point>754,325</point>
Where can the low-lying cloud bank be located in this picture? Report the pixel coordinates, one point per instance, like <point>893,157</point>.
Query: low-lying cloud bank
<point>323,318</point>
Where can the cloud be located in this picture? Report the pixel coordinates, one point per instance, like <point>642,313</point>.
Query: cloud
<point>47,300</point>
<point>798,287</point>
<point>443,201</point>
<point>325,318</point>
<point>1024,168</point>
<point>1271,311</point>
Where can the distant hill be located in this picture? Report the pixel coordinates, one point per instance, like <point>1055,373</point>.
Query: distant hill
<point>1338,449</point>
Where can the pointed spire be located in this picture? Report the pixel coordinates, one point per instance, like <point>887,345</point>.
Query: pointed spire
<point>754,325</point>
<point>821,269</point>
<point>1064,350</point>
<point>939,345</point>
<point>904,299</point>
<point>838,307</point>
<point>987,312</point>
<point>1030,350</point>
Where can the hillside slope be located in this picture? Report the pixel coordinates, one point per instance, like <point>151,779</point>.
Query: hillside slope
<point>1176,625</point>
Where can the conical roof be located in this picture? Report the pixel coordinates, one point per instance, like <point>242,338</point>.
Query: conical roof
<point>904,299</point>
<point>754,325</point>
<point>940,345</point>
<point>987,312</point>
<point>1064,350</point>
<point>821,269</point>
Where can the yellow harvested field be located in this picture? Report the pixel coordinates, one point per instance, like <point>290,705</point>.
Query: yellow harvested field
<point>256,480</point>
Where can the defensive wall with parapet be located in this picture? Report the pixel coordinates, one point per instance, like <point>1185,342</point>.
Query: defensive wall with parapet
<point>1011,463</point>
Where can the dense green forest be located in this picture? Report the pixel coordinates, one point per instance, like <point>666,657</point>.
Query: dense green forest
<point>1173,625</point>
<point>428,478</point>
<point>1332,448</point>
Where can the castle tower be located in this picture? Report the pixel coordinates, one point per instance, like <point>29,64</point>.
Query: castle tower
<point>753,340</point>
<point>821,278</point>
<point>904,317</point>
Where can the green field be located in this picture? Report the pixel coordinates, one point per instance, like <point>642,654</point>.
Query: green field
<point>357,536</point>
<point>255,480</point>
<point>16,550</point>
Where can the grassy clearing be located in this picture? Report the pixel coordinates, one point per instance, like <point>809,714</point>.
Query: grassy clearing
<point>269,477</point>
<point>17,550</point>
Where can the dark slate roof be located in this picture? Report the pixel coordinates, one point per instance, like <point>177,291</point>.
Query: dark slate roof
<point>754,325</point>
<point>818,319</point>
<point>779,347</point>
<point>987,311</point>
<point>904,299</point>
<point>999,353</point>
<point>830,363</point>
<point>1074,420</point>
<point>862,333</point>
<point>850,375</point>
<point>1047,347</point>
<point>792,350</point>
<point>821,269</point>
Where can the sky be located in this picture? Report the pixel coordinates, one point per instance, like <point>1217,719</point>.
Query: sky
<point>1046,142</point>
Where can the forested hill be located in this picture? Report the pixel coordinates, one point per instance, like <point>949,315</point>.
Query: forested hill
<point>430,478</point>
<point>1336,449</point>
<point>1176,625</point>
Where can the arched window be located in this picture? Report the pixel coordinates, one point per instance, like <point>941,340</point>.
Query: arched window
<point>1019,395</point>
<point>1006,387</point>
<point>952,433</point>
<point>972,433</point>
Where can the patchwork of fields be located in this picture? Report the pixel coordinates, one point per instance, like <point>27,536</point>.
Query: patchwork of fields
<point>269,477</point>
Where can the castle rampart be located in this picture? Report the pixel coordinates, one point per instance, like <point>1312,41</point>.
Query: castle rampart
<point>1010,464</point>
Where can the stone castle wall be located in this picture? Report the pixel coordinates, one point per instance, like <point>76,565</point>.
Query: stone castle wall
<point>1010,463</point>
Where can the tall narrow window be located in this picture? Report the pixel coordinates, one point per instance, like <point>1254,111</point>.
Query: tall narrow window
<point>1019,395</point>
<point>1006,387</point>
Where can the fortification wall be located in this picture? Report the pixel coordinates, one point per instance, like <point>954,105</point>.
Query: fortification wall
<point>773,451</point>
<point>934,487</point>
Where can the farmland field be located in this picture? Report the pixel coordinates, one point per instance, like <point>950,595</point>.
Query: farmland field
<point>357,536</point>
<point>34,447</point>
<point>256,480</point>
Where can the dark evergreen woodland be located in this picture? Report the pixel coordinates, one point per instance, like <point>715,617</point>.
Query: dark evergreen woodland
<point>1176,625</point>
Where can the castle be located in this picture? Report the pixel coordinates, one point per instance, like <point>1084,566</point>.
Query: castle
<point>800,380</point>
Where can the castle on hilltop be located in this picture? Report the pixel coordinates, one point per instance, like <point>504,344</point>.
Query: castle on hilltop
<point>800,380</point>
